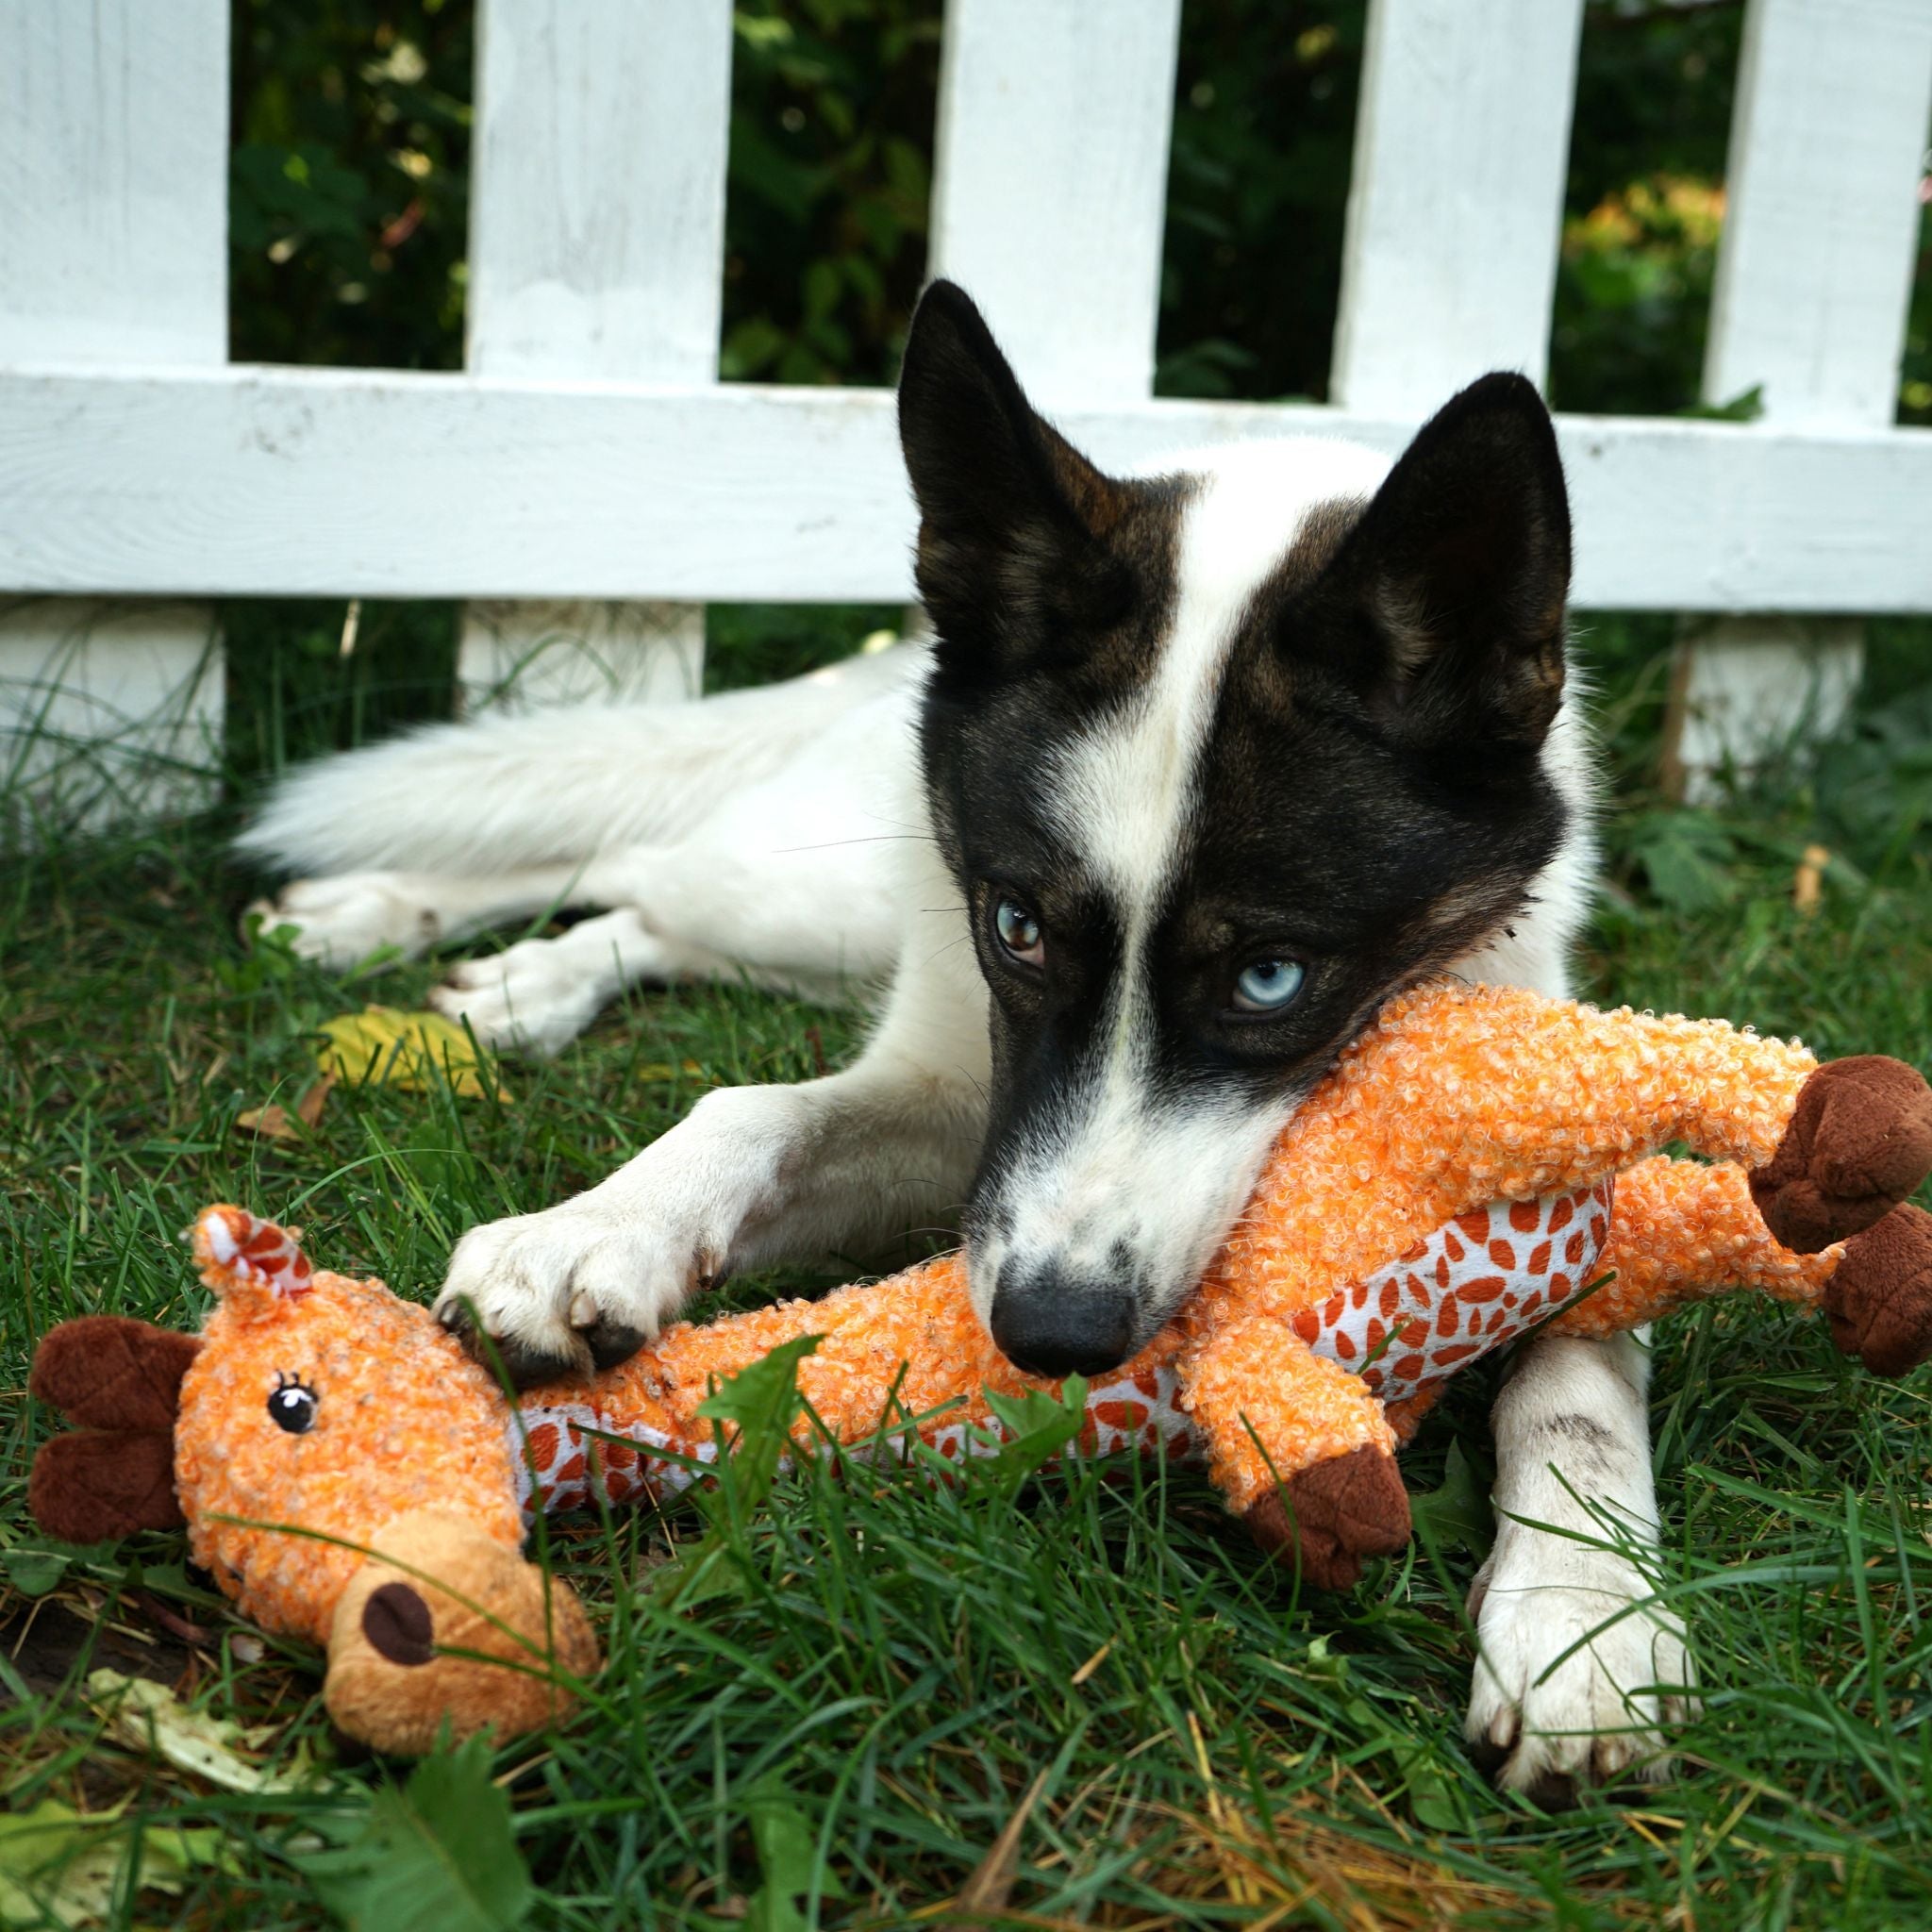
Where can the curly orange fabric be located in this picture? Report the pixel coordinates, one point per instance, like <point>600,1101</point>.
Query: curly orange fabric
<point>1456,1099</point>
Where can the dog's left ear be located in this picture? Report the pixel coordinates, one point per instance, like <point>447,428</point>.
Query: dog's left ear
<point>1459,571</point>
<point>1012,518</point>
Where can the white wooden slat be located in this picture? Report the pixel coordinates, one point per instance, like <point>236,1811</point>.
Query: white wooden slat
<point>596,249</point>
<point>1814,270</point>
<point>286,482</point>
<point>1455,198</point>
<point>113,249</point>
<point>1814,276</point>
<point>1050,183</point>
<point>113,181</point>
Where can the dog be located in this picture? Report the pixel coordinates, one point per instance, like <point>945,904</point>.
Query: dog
<point>1198,767</point>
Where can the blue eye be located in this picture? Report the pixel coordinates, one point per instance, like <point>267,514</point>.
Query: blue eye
<point>1268,985</point>
<point>1019,932</point>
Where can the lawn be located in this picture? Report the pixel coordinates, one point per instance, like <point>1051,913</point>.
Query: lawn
<point>908,1669</point>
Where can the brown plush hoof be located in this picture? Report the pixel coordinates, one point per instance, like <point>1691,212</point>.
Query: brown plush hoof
<point>1326,1520</point>
<point>1879,1298</point>
<point>1859,1142</point>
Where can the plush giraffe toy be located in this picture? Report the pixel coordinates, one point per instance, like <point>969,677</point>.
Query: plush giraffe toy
<point>1479,1161</point>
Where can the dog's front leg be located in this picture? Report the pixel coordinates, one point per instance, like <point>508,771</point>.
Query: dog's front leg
<point>1574,1683</point>
<point>753,1176</point>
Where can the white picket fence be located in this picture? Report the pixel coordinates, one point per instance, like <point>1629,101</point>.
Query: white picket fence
<point>588,460</point>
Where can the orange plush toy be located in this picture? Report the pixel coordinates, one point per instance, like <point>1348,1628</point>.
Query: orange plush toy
<point>1479,1162</point>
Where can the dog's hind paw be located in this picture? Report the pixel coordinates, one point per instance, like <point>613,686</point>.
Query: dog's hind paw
<point>530,998</point>
<point>340,922</point>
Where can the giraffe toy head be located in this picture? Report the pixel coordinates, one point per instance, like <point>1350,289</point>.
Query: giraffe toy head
<point>345,1471</point>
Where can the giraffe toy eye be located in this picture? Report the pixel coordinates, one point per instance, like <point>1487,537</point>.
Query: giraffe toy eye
<point>292,1405</point>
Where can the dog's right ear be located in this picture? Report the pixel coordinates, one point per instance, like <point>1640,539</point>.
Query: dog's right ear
<point>1012,518</point>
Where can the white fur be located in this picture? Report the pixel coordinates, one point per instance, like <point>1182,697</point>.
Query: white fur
<point>783,833</point>
<point>1166,1177</point>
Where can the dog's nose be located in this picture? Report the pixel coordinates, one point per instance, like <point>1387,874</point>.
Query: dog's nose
<point>1051,1325</point>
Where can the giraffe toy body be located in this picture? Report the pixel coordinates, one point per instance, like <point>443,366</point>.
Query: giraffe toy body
<point>1479,1162</point>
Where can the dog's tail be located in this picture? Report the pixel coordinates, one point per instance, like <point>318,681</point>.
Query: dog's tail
<point>549,787</point>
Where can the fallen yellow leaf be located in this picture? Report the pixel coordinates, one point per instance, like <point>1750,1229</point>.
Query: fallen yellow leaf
<point>148,1717</point>
<point>382,1047</point>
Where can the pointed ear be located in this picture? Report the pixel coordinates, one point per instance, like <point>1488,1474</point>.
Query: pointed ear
<point>1012,519</point>
<point>1459,571</point>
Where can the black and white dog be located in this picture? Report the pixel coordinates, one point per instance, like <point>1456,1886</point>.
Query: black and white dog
<point>1201,765</point>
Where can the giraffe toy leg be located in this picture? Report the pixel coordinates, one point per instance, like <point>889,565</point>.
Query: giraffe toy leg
<point>1681,1230</point>
<point>1300,1448</point>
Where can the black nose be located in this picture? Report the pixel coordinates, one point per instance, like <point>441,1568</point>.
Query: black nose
<point>1050,1325</point>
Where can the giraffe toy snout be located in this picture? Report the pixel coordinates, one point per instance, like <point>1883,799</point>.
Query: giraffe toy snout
<point>444,1625</point>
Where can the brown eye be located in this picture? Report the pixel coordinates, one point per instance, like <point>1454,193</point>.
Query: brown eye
<point>292,1405</point>
<point>1018,932</point>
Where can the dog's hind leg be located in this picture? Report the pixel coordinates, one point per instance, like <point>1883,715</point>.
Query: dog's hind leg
<point>1579,1667</point>
<point>340,920</point>
<point>539,995</point>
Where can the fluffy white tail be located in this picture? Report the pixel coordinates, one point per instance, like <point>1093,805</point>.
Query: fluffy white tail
<point>550,787</point>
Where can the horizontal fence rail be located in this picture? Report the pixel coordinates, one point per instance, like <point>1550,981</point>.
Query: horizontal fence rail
<point>256,481</point>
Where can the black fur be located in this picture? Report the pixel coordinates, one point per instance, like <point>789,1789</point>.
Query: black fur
<point>1372,803</point>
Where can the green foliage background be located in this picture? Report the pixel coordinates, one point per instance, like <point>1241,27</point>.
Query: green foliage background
<point>350,189</point>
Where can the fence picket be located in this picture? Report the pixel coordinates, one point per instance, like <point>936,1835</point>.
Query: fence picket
<point>1050,179</point>
<point>113,250</point>
<point>1455,201</point>
<point>1814,279</point>
<point>596,250</point>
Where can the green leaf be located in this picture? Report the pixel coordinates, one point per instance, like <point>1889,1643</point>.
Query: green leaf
<point>72,1868</point>
<point>754,1412</point>
<point>1038,1426</point>
<point>1459,1510</point>
<point>148,1717</point>
<point>438,1855</point>
<point>1687,857</point>
<point>760,1403</point>
<point>786,1848</point>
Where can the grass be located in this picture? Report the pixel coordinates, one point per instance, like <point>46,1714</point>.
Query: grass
<point>843,1741</point>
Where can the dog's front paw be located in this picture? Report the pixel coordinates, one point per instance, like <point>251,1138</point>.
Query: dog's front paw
<point>568,1291</point>
<point>1574,1683</point>
<point>340,920</point>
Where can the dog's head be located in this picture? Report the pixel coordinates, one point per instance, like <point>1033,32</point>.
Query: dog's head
<point>1220,758</point>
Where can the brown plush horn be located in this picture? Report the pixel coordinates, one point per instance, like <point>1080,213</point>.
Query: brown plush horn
<point>109,1372</point>
<point>99,1485</point>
